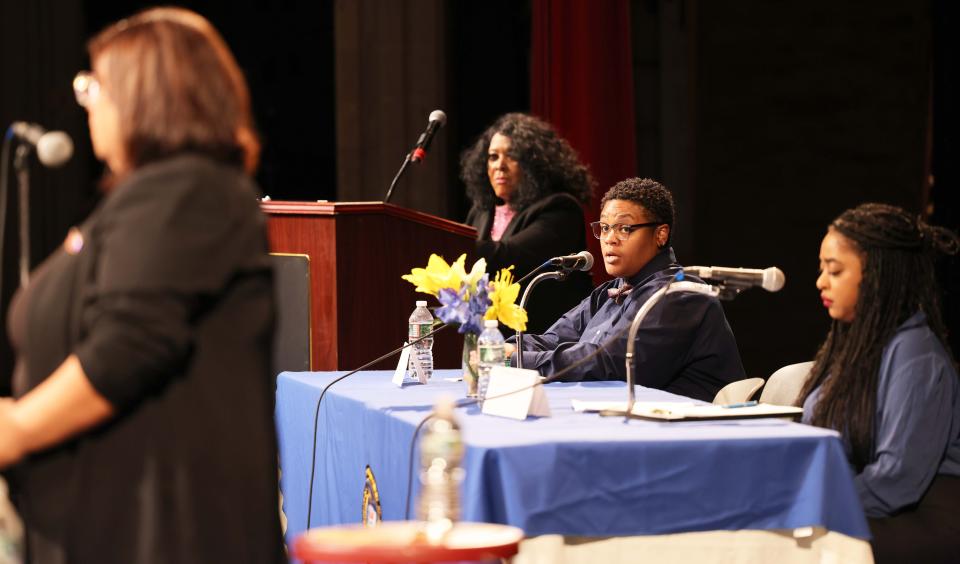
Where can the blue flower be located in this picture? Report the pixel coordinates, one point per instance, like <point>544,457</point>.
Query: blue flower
<point>465,307</point>
<point>454,308</point>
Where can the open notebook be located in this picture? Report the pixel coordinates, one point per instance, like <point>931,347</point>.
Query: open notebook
<point>679,411</point>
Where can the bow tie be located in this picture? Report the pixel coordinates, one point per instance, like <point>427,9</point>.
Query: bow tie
<point>618,294</point>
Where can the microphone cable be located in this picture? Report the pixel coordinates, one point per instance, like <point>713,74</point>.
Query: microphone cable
<point>316,415</point>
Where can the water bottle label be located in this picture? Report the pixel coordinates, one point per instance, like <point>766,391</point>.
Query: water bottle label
<point>491,354</point>
<point>417,330</point>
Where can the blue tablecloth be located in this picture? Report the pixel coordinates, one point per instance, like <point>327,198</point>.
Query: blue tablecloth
<point>570,474</point>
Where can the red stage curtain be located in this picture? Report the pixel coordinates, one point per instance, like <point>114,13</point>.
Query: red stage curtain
<point>582,82</point>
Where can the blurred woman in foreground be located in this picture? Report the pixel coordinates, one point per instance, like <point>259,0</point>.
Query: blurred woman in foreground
<point>142,427</point>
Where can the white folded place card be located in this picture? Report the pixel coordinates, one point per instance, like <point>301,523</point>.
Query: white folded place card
<point>400,373</point>
<point>515,393</point>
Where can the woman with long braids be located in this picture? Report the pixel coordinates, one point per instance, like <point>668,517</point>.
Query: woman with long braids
<point>886,380</point>
<point>527,186</point>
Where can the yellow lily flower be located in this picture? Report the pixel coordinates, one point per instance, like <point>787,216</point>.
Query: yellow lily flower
<point>503,296</point>
<point>437,275</point>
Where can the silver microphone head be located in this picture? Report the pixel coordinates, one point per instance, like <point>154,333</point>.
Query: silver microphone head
<point>54,148</point>
<point>773,279</point>
<point>587,260</point>
<point>438,115</point>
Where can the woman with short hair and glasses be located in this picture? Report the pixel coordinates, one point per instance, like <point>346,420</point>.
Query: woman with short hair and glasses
<point>527,186</point>
<point>685,344</point>
<point>141,428</point>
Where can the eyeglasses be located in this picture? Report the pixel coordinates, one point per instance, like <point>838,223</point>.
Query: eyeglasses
<point>621,231</point>
<point>86,88</point>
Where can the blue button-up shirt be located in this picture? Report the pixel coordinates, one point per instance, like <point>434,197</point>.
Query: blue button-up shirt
<point>684,345</point>
<point>917,424</point>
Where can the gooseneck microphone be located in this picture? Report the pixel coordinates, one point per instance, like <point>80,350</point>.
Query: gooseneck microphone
<point>569,263</point>
<point>434,123</point>
<point>770,279</point>
<point>54,148</point>
<point>436,120</point>
<point>580,261</point>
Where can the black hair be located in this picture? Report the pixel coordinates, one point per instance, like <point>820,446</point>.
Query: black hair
<point>653,196</point>
<point>547,162</point>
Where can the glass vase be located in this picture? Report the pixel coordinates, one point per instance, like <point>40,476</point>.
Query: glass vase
<point>470,362</point>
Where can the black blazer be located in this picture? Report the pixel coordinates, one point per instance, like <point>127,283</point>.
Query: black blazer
<point>552,227</point>
<point>168,304</point>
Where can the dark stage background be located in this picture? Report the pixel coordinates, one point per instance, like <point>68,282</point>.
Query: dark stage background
<point>766,118</point>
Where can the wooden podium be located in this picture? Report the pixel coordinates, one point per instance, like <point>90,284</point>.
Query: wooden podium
<point>358,250</point>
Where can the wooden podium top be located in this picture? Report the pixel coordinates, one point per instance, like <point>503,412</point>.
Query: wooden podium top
<point>357,252</point>
<point>321,207</point>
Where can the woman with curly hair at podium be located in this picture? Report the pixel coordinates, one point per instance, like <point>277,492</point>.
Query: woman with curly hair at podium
<point>527,186</point>
<point>141,428</point>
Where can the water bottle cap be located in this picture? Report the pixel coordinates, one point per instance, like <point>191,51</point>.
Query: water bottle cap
<point>421,303</point>
<point>490,323</point>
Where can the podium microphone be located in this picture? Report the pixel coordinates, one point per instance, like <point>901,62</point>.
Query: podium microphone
<point>54,148</point>
<point>436,120</point>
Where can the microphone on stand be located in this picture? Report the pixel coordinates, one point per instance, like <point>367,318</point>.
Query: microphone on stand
<point>54,148</point>
<point>770,279</point>
<point>434,123</point>
<point>569,263</point>
<point>677,284</point>
<point>580,261</point>
<point>436,120</point>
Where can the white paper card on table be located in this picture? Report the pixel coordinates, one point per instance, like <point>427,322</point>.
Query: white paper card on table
<point>400,374</point>
<point>409,362</point>
<point>515,393</point>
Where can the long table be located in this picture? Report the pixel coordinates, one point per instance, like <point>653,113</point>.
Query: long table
<point>571,474</point>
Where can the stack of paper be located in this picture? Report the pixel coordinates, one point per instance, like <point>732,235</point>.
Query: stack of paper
<point>679,411</point>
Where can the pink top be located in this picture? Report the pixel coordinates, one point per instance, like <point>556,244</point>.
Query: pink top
<point>501,219</point>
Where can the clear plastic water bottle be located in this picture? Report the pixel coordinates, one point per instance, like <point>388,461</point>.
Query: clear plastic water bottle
<point>490,345</point>
<point>441,453</point>
<point>421,323</point>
